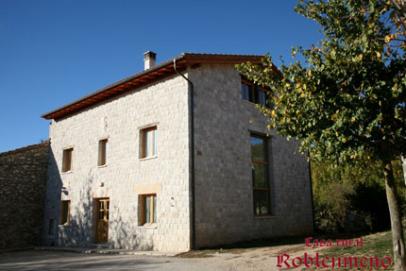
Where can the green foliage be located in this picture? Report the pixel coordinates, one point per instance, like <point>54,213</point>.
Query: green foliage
<point>348,99</point>
<point>351,197</point>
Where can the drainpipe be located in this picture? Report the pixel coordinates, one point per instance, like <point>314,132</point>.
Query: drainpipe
<point>191,157</point>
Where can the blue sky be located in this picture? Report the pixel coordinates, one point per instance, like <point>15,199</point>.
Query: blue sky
<point>53,52</point>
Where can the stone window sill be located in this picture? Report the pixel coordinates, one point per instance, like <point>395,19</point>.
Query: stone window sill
<point>149,226</point>
<point>149,158</point>
<point>248,102</point>
<point>253,104</point>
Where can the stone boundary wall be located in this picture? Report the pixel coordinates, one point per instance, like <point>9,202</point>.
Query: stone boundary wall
<point>23,176</point>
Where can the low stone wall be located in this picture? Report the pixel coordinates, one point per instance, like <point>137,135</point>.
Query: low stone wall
<point>23,175</point>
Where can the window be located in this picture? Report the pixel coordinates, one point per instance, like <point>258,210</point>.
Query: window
<point>247,92</point>
<point>65,212</point>
<point>261,96</point>
<point>148,143</point>
<point>260,175</point>
<point>147,209</point>
<point>102,152</point>
<point>103,209</point>
<point>67,160</point>
<point>253,93</point>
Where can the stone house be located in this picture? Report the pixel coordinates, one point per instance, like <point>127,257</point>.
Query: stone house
<point>173,158</point>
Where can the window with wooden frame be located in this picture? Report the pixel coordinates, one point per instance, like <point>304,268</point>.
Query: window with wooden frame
<point>147,209</point>
<point>253,93</point>
<point>65,212</point>
<point>103,209</point>
<point>101,161</point>
<point>67,160</point>
<point>148,142</point>
<point>260,175</point>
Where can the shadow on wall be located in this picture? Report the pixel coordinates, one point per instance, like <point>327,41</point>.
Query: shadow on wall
<point>80,231</point>
<point>52,202</point>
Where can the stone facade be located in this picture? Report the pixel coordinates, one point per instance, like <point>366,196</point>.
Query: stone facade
<point>125,176</point>
<point>223,182</point>
<point>224,192</point>
<point>23,175</point>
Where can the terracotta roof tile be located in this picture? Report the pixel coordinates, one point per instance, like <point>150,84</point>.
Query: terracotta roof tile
<point>146,77</point>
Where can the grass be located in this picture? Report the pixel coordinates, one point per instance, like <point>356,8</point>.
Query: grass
<point>378,244</point>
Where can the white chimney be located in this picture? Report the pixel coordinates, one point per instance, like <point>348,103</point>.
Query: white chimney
<point>149,60</point>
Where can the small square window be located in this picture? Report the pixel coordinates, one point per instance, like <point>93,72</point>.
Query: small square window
<point>148,143</point>
<point>246,92</point>
<point>254,93</point>
<point>147,209</point>
<point>102,152</point>
<point>262,99</point>
<point>67,160</point>
<point>65,212</point>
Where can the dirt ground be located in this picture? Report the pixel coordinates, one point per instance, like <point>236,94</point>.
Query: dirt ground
<point>242,259</point>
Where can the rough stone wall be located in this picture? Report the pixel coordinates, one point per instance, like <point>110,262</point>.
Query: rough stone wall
<point>22,190</point>
<point>164,103</point>
<point>224,195</point>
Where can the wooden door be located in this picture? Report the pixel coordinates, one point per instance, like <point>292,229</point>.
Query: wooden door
<point>102,220</point>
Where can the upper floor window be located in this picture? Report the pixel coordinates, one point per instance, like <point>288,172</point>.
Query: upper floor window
<point>67,160</point>
<point>260,175</point>
<point>247,91</point>
<point>101,161</point>
<point>253,93</point>
<point>148,142</point>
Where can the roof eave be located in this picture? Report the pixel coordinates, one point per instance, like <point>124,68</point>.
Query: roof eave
<point>53,113</point>
<point>143,78</point>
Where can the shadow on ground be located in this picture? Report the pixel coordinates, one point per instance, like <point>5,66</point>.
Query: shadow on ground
<point>61,261</point>
<point>275,246</point>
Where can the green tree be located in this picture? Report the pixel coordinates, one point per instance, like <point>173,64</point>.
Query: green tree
<point>347,99</point>
<point>350,208</point>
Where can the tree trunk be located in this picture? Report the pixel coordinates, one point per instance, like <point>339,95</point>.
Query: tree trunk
<point>395,219</point>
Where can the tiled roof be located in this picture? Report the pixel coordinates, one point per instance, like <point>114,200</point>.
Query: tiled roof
<point>146,77</point>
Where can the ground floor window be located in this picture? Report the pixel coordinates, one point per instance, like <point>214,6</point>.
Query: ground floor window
<point>147,209</point>
<point>65,212</point>
<point>101,215</point>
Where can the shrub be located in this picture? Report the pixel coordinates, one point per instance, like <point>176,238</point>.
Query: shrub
<point>351,198</point>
